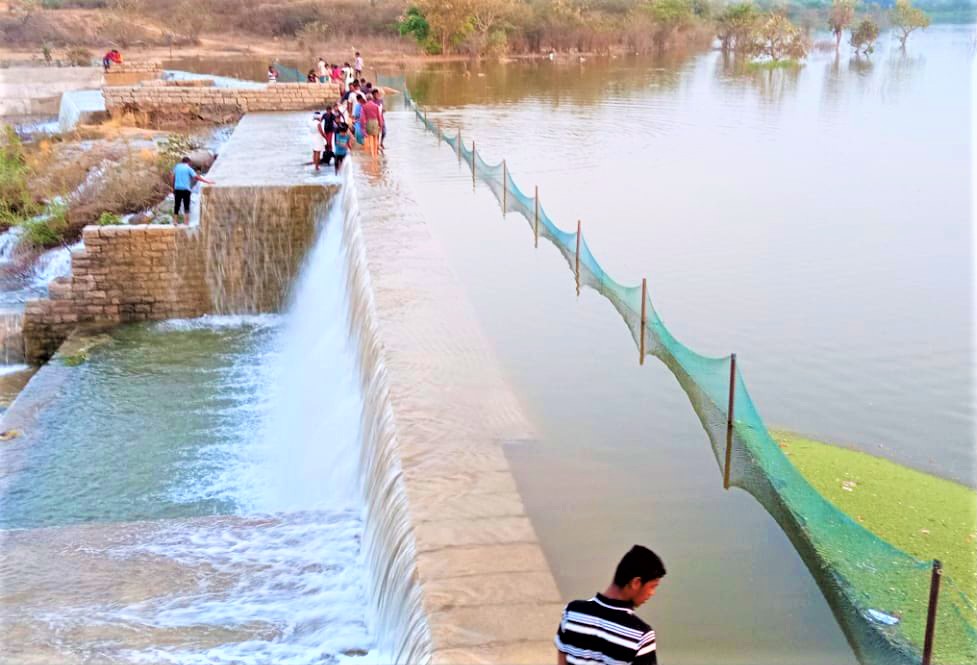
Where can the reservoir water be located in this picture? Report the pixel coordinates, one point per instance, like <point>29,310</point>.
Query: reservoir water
<point>815,221</point>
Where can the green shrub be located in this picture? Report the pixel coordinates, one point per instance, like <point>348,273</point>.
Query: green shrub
<point>109,219</point>
<point>16,202</point>
<point>46,230</point>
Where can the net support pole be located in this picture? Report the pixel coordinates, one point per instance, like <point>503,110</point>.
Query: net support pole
<point>576,260</point>
<point>931,612</point>
<point>473,165</point>
<point>644,319</point>
<point>439,132</point>
<point>536,216</point>
<point>505,189</point>
<point>729,420</point>
<point>458,145</point>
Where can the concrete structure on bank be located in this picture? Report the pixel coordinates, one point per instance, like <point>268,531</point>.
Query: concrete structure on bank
<point>159,103</point>
<point>38,90</point>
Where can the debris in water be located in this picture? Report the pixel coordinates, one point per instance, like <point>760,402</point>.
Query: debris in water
<point>9,434</point>
<point>882,617</point>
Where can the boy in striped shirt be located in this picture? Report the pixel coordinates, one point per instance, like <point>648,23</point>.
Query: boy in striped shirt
<point>605,630</point>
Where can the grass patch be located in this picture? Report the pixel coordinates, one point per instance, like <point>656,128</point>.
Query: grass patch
<point>923,515</point>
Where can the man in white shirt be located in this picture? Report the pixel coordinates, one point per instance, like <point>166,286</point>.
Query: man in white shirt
<point>322,70</point>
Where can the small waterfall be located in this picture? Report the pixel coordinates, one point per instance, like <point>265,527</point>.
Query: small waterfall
<point>403,632</point>
<point>256,239</point>
<point>11,338</point>
<point>53,263</point>
<point>9,240</point>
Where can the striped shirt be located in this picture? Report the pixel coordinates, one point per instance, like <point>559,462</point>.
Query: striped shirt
<point>605,632</point>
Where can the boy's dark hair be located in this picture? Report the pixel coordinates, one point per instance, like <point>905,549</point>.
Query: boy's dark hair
<point>639,562</point>
<point>185,160</point>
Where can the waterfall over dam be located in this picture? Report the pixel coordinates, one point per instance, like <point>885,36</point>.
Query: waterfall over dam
<point>413,421</point>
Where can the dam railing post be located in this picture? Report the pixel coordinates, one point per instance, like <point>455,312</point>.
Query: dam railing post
<point>931,612</point>
<point>505,197</point>
<point>576,267</point>
<point>729,419</point>
<point>536,216</point>
<point>644,319</point>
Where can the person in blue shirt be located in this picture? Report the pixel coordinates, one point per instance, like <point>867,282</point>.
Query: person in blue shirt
<point>184,178</point>
<point>340,144</point>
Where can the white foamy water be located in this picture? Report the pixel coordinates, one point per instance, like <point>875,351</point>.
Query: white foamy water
<point>9,240</point>
<point>52,264</point>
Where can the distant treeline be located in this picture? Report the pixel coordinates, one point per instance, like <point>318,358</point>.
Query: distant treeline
<point>473,27</point>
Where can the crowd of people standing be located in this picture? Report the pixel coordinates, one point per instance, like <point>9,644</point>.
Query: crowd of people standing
<point>356,119</point>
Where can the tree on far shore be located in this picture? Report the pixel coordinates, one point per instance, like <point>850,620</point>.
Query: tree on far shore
<point>840,17</point>
<point>907,19</point>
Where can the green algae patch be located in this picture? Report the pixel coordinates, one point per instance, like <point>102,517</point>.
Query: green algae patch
<point>923,515</point>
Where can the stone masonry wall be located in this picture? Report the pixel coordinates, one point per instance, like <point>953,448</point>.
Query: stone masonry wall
<point>242,258</point>
<point>123,274</point>
<point>155,105</point>
<point>130,73</point>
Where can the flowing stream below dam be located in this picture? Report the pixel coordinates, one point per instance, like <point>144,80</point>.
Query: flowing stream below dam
<point>193,491</point>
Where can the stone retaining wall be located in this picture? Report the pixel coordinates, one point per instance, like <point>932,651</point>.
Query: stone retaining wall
<point>155,105</point>
<point>241,259</point>
<point>123,273</point>
<point>130,73</point>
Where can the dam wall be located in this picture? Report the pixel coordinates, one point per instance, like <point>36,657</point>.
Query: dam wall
<point>438,412</point>
<point>240,259</point>
<point>154,104</point>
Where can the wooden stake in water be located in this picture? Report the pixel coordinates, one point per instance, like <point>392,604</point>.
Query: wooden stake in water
<point>729,419</point>
<point>505,189</point>
<point>931,612</point>
<point>644,319</point>
<point>576,268</point>
<point>536,216</point>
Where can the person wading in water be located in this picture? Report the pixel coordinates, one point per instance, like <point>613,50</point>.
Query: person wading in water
<point>605,628</point>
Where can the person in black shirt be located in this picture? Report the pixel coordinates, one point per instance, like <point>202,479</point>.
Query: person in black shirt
<point>605,630</point>
<point>328,129</point>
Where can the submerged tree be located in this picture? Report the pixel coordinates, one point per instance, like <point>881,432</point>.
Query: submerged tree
<point>908,18</point>
<point>775,37</point>
<point>840,17</point>
<point>864,35</point>
<point>735,24</point>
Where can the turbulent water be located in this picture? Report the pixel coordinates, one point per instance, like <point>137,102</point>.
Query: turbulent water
<point>192,490</point>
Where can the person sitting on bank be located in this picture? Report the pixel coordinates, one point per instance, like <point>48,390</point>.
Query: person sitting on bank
<point>183,179</point>
<point>605,628</point>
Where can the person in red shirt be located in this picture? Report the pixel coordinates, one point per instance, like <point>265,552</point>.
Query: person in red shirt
<point>371,115</point>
